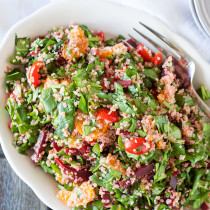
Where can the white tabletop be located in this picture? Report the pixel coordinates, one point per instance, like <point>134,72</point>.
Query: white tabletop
<point>176,14</point>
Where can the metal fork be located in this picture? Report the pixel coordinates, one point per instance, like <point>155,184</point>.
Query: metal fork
<point>184,66</point>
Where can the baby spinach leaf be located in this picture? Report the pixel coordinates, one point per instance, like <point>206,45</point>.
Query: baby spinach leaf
<point>141,107</point>
<point>56,168</point>
<point>22,44</point>
<point>161,123</point>
<point>203,93</point>
<point>80,77</point>
<point>83,104</point>
<point>106,97</point>
<point>49,43</point>
<point>130,124</point>
<point>48,100</point>
<point>120,37</point>
<point>173,131</point>
<point>86,30</point>
<point>160,168</point>
<point>21,118</point>
<point>12,76</point>
<point>96,149</point>
<point>88,129</point>
<point>120,143</point>
<point>178,149</point>
<point>110,42</point>
<point>181,100</point>
<point>150,73</point>
<point>46,168</point>
<point>198,153</point>
<point>64,118</point>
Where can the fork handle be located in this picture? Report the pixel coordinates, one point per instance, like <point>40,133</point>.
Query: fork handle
<point>199,101</point>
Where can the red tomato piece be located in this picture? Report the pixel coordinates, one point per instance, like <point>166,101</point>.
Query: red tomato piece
<point>107,115</point>
<point>10,125</point>
<point>132,145</point>
<point>100,34</point>
<point>157,59</point>
<point>33,74</point>
<point>144,52</point>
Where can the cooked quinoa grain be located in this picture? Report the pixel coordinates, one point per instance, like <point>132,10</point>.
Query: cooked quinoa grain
<point>109,122</point>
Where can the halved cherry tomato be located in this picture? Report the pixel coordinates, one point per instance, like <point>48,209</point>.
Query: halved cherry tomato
<point>107,115</point>
<point>132,145</point>
<point>143,52</point>
<point>157,59</point>
<point>10,125</point>
<point>100,34</point>
<point>33,74</point>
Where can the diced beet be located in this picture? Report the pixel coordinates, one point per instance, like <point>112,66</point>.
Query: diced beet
<point>154,92</point>
<point>41,37</point>
<point>186,141</point>
<point>64,167</point>
<point>173,182</point>
<point>85,151</point>
<point>204,206</point>
<point>40,146</point>
<point>61,60</point>
<point>72,151</point>
<point>125,184</point>
<point>111,82</point>
<point>175,173</point>
<point>132,43</point>
<point>150,176</point>
<point>76,176</point>
<point>124,83</point>
<point>125,132</point>
<point>82,175</point>
<point>144,170</point>
<point>139,124</point>
<point>56,148</point>
<point>105,195</point>
<point>94,52</point>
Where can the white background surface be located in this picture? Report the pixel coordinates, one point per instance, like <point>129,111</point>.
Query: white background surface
<point>176,14</point>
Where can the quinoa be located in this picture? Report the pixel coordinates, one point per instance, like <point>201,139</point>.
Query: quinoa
<point>109,122</point>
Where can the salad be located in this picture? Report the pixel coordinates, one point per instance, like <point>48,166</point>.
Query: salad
<point>109,121</point>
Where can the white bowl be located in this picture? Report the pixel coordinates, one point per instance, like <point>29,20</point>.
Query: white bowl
<point>113,20</point>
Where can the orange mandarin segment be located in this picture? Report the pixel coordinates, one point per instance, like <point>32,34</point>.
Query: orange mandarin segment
<point>71,198</point>
<point>103,53</point>
<point>161,98</point>
<point>78,44</point>
<point>95,134</point>
<point>50,81</point>
<point>112,162</point>
<point>116,49</point>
